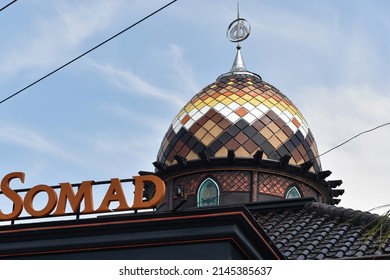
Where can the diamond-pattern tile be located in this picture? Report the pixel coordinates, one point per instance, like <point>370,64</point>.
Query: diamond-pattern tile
<point>246,104</point>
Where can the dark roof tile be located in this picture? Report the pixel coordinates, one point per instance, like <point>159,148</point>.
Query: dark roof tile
<point>320,256</point>
<point>320,231</point>
<point>339,254</point>
<point>287,254</point>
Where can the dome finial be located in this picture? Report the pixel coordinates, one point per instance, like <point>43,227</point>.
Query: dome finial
<point>238,31</point>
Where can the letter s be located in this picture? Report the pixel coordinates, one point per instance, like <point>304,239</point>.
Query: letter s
<point>12,195</point>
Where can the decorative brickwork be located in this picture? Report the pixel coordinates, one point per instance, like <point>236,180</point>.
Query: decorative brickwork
<point>277,185</point>
<point>234,181</point>
<point>240,181</point>
<point>229,181</point>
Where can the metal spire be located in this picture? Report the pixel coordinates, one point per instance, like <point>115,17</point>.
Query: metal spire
<point>238,31</point>
<point>238,64</point>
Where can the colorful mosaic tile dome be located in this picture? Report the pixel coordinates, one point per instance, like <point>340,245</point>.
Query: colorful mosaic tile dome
<point>243,113</point>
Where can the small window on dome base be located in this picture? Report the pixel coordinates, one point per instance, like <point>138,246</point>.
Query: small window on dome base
<point>208,193</point>
<point>293,192</point>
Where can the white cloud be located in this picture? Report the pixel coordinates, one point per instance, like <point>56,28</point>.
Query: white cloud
<point>339,113</point>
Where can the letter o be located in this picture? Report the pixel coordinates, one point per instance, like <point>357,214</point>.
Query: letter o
<point>51,202</point>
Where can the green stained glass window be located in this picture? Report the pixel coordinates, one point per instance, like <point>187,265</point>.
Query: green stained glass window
<point>293,192</point>
<point>208,193</point>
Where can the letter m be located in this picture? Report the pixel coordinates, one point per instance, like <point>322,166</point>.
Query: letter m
<point>84,192</point>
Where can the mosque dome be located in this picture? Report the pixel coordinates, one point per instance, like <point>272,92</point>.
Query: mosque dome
<point>240,140</point>
<point>242,113</point>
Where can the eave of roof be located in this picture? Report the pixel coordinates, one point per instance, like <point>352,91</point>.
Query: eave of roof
<point>162,230</point>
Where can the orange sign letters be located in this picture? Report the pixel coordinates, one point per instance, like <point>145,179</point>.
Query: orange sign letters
<point>56,204</point>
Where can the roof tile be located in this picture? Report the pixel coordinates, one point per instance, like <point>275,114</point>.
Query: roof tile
<point>321,231</point>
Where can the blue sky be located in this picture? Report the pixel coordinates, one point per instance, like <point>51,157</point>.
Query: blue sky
<point>105,115</point>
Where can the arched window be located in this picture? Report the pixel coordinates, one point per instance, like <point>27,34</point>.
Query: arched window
<point>293,192</point>
<point>208,193</point>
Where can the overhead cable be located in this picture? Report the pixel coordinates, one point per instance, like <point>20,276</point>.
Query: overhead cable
<point>87,52</point>
<point>350,139</point>
<point>6,6</point>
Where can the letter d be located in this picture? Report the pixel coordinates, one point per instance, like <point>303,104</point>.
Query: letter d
<point>139,182</point>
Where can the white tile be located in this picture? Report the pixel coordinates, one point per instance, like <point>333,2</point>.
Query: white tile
<point>276,110</point>
<point>263,108</point>
<point>189,124</point>
<point>284,117</point>
<point>193,112</point>
<point>233,106</point>
<point>233,117</point>
<point>292,126</point>
<point>248,106</point>
<point>249,118</point>
<point>197,116</point>
<point>219,106</point>
<point>226,111</point>
<point>176,125</point>
<point>257,113</point>
<point>205,109</point>
<point>288,114</point>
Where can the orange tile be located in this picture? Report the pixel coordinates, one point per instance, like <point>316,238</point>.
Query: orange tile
<point>296,122</point>
<point>240,93</point>
<point>241,111</point>
<point>185,119</point>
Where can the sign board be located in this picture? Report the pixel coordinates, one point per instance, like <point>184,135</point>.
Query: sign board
<point>56,202</point>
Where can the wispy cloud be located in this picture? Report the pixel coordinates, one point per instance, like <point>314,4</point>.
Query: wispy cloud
<point>25,137</point>
<point>183,72</point>
<point>55,37</point>
<point>180,74</point>
<point>134,84</point>
<point>147,121</point>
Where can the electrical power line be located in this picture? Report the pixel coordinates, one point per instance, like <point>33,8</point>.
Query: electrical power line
<point>350,139</point>
<point>6,6</point>
<point>87,52</point>
<point>126,29</point>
